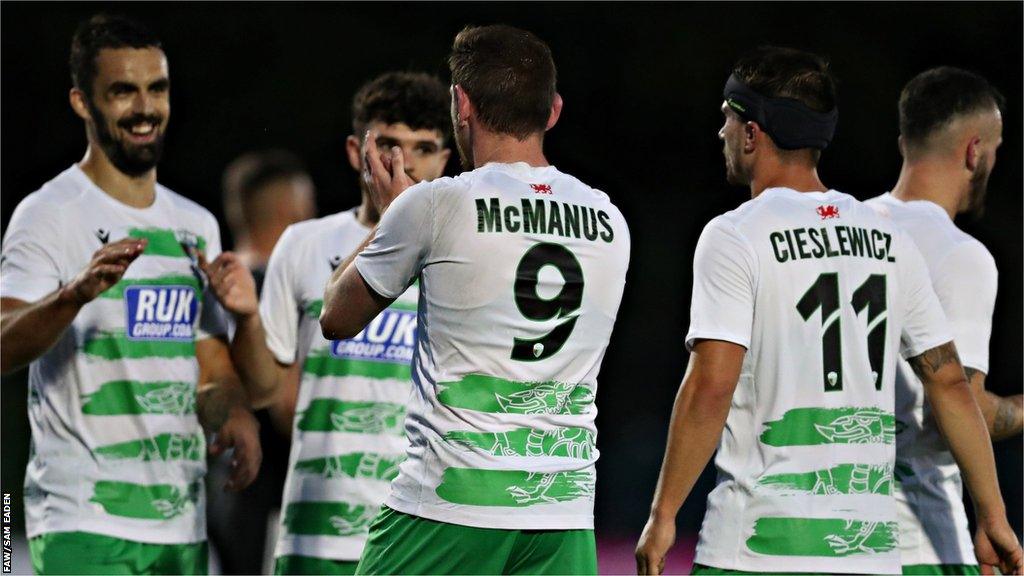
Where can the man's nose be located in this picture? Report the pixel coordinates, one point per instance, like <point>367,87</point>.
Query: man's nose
<point>143,103</point>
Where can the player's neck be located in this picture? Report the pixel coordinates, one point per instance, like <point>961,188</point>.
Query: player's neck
<point>505,149</point>
<point>260,245</point>
<point>928,181</point>
<point>137,192</point>
<point>366,214</point>
<point>794,177</point>
<point>249,255</point>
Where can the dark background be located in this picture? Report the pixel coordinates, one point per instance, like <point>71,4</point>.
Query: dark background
<point>642,86</point>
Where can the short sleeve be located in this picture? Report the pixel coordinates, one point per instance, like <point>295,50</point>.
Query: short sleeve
<point>279,307</point>
<point>966,283</point>
<point>31,265</point>
<point>724,281</point>
<point>213,320</point>
<point>397,252</point>
<point>924,323</point>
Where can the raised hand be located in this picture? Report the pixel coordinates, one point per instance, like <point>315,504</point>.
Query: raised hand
<point>106,268</point>
<point>232,283</point>
<point>383,173</point>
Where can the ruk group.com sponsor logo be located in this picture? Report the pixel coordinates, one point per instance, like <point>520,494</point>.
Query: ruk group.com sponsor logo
<point>391,337</point>
<point>160,312</point>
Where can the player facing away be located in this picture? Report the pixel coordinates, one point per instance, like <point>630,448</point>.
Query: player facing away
<point>802,299</point>
<point>102,296</point>
<point>950,128</point>
<point>347,396</point>
<point>521,270</point>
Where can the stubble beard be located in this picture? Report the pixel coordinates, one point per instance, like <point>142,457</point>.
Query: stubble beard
<point>132,160</point>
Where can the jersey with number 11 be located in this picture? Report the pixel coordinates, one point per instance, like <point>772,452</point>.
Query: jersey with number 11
<point>521,273</point>
<point>824,294</point>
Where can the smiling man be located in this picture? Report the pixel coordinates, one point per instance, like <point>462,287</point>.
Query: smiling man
<point>102,296</point>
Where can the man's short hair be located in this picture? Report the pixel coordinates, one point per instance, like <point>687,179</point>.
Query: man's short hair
<point>778,72</point>
<point>509,76</point>
<point>247,175</point>
<point>416,99</point>
<point>936,97</point>
<point>99,32</point>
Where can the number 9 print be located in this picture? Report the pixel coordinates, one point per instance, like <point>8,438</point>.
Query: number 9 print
<point>534,307</point>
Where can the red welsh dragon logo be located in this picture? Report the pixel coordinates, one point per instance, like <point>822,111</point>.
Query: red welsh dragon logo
<point>541,188</point>
<point>830,211</point>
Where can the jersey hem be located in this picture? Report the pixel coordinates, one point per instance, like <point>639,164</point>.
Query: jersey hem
<point>340,551</point>
<point>921,349</point>
<point>701,335</point>
<point>372,282</point>
<point>816,564</point>
<point>502,522</point>
<point>104,528</point>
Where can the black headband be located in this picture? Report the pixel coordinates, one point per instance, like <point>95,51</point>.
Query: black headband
<point>790,123</point>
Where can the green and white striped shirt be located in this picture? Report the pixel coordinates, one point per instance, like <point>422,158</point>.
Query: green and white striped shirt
<point>348,435</point>
<point>116,446</point>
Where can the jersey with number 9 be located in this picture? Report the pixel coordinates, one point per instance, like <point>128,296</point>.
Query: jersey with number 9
<point>521,273</point>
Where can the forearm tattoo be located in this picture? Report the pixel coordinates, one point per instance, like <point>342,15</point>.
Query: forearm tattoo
<point>930,362</point>
<point>971,372</point>
<point>1009,415</point>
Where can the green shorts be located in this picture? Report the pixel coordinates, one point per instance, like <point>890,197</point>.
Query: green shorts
<point>942,569</point>
<point>311,565</point>
<point>86,553</point>
<point>404,544</point>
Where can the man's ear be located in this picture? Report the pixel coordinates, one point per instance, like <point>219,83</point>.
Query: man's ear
<point>556,111</point>
<point>77,98</point>
<point>902,145</point>
<point>752,136</point>
<point>463,107</point>
<point>972,155</point>
<point>354,151</point>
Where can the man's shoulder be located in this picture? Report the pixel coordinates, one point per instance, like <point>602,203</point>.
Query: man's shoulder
<point>316,228</point>
<point>186,206</point>
<point>61,189</point>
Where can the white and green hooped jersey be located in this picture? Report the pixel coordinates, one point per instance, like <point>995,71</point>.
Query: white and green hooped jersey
<point>521,272</point>
<point>116,446</point>
<point>348,435</point>
<point>824,294</point>
<point>933,522</point>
